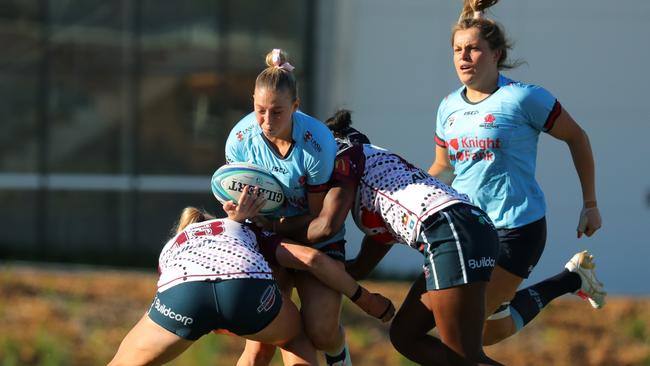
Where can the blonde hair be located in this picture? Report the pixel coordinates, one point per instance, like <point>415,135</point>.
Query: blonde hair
<point>472,17</point>
<point>278,75</point>
<point>471,7</point>
<point>190,215</point>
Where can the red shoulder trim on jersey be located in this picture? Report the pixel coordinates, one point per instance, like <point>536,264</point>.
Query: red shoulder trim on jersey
<point>440,142</point>
<point>552,117</point>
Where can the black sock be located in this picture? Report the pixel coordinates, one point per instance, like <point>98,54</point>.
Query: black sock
<point>528,302</point>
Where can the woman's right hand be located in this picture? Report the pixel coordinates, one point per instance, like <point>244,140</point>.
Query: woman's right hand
<point>376,305</point>
<point>248,206</point>
<point>589,221</point>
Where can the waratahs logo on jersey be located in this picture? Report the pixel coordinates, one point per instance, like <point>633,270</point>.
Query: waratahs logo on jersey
<point>240,134</point>
<point>308,137</point>
<point>489,121</point>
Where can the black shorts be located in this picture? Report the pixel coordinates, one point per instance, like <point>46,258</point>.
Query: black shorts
<point>192,309</point>
<point>460,246</point>
<point>522,247</point>
<point>335,250</point>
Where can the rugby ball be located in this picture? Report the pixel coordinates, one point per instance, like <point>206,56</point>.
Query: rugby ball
<point>229,181</point>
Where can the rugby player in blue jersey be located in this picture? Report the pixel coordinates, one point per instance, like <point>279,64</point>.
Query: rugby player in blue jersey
<point>299,151</point>
<point>392,202</point>
<point>486,147</point>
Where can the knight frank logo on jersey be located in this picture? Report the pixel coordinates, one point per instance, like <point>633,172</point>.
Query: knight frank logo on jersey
<point>309,137</point>
<point>473,148</point>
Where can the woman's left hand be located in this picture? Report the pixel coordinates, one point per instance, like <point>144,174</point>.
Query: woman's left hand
<point>249,205</point>
<point>589,221</point>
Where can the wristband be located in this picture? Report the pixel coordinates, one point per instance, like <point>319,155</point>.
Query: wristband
<point>357,294</point>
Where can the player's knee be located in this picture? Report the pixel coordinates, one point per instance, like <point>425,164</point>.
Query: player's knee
<point>400,336</point>
<point>122,361</point>
<point>324,336</point>
<point>313,259</point>
<point>263,357</point>
<point>495,331</point>
<point>132,353</point>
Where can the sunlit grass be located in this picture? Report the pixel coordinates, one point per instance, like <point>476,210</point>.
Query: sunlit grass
<point>80,318</point>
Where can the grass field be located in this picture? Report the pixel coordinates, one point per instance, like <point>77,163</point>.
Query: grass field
<point>78,317</point>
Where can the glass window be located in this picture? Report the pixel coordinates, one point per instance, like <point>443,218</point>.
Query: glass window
<point>116,112</point>
<point>18,223</point>
<point>180,49</point>
<point>88,107</point>
<point>82,222</point>
<point>199,64</point>
<point>21,37</point>
<point>153,231</point>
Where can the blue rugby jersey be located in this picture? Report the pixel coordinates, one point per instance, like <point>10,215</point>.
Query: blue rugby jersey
<point>492,146</point>
<point>306,168</point>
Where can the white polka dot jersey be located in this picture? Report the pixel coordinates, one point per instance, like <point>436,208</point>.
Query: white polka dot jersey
<point>393,197</point>
<point>214,250</point>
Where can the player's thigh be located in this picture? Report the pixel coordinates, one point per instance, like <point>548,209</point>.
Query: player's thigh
<point>320,305</point>
<point>414,317</point>
<point>501,288</point>
<point>149,344</point>
<point>459,314</point>
<point>283,328</point>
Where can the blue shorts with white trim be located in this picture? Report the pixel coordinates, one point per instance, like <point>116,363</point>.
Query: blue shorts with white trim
<point>460,246</point>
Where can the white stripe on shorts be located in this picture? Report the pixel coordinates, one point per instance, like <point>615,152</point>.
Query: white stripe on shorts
<point>460,250</point>
<point>433,264</point>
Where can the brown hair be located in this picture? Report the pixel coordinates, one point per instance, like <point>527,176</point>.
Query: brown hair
<point>489,30</point>
<point>189,216</point>
<point>276,76</point>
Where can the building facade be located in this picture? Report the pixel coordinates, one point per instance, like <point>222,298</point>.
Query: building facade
<point>115,114</point>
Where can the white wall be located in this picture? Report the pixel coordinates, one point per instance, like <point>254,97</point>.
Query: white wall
<point>390,63</point>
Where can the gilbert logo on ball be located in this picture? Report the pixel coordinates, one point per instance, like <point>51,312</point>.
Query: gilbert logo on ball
<point>229,180</point>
